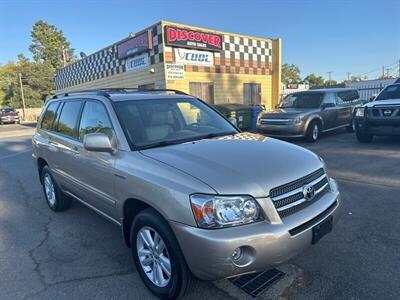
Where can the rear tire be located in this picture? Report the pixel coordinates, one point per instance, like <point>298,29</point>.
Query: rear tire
<point>364,137</point>
<point>55,198</point>
<point>313,132</point>
<point>151,225</point>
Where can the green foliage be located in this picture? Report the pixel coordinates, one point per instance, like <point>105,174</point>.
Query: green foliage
<point>50,45</point>
<point>37,83</point>
<point>290,74</point>
<point>314,80</point>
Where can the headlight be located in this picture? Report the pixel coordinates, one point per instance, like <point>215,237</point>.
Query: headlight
<point>360,112</point>
<point>296,120</point>
<point>213,211</point>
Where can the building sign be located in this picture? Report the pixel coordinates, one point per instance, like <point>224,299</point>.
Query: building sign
<point>137,63</point>
<point>135,45</point>
<point>175,71</point>
<point>194,57</point>
<point>188,38</point>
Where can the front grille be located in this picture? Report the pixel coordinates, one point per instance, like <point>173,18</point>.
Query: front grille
<point>289,199</point>
<point>380,112</point>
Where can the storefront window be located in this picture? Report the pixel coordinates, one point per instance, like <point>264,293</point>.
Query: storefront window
<point>252,93</point>
<point>203,91</point>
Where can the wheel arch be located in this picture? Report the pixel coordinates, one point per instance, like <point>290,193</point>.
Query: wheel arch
<point>315,118</point>
<point>41,163</point>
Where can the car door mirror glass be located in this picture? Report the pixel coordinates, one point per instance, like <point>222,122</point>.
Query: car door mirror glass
<point>98,142</point>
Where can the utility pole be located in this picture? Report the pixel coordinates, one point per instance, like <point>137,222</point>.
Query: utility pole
<point>64,57</point>
<point>330,77</point>
<point>348,76</point>
<point>22,96</point>
<point>383,72</point>
<point>387,72</point>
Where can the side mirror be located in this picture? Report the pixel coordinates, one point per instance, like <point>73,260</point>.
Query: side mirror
<point>98,142</point>
<point>326,105</point>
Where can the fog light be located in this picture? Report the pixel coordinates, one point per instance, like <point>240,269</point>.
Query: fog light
<point>237,254</point>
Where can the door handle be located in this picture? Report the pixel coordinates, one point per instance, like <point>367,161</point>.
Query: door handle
<point>75,150</point>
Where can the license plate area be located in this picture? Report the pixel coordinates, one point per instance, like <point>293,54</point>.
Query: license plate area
<point>323,228</point>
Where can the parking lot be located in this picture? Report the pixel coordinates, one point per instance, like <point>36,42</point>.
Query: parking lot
<point>79,255</point>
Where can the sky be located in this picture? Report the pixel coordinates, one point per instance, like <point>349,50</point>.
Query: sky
<point>318,36</point>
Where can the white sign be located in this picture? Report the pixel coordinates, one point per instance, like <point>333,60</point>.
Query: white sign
<point>175,71</point>
<point>194,57</point>
<point>137,63</point>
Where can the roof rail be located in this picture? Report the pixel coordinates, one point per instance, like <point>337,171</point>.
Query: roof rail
<point>105,91</point>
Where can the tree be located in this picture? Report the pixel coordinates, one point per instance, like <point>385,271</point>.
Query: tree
<point>50,45</point>
<point>290,74</point>
<point>314,80</point>
<point>37,83</point>
<point>330,82</point>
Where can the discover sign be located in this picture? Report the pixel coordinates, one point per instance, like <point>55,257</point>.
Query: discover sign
<point>189,38</point>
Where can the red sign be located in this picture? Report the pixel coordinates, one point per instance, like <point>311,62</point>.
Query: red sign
<point>188,38</point>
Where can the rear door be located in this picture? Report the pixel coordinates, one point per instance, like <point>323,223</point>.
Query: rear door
<point>64,141</point>
<point>344,101</point>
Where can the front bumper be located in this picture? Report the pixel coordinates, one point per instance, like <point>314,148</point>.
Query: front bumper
<point>208,253</point>
<point>9,119</point>
<point>378,126</point>
<point>292,130</point>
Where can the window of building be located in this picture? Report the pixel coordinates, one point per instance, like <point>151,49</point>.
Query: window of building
<point>203,91</point>
<point>94,120</point>
<point>69,118</point>
<point>148,86</point>
<point>252,93</point>
<point>49,116</point>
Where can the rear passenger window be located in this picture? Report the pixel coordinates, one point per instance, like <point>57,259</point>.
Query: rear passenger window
<point>94,120</point>
<point>49,116</point>
<point>69,118</point>
<point>348,96</point>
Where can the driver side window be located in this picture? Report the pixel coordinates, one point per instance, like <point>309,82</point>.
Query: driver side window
<point>330,99</point>
<point>94,120</point>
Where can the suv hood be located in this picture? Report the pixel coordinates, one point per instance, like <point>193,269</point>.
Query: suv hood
<point>244,163</point>
<point>383,102</point>
<point>281,113</point>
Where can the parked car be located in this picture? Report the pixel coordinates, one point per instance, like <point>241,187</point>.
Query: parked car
<point>191,193</point>
<point>310,113</point>
<point>8,115</point>
<point>380,116</point>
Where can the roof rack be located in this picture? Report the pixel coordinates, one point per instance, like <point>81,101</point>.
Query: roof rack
<point>106,91</point>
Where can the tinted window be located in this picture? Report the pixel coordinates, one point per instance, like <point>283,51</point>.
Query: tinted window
<point>389,92</point>
<point>94,120</point>
<point>68,118</point>
<point>49,116</point>
<point>348,96</point>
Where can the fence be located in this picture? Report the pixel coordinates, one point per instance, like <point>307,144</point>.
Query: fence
<point>31,114</point>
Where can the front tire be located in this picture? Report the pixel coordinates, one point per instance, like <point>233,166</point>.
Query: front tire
<point>364,137</point>
<point>55,198</point>
<point>313,132</point>
<point>158,257</point>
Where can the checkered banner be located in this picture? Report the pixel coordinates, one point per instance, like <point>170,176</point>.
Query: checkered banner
<point>103,63</point>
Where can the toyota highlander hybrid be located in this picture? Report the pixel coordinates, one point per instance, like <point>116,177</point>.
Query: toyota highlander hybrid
<point>379,117</point>
<point>192,194</point>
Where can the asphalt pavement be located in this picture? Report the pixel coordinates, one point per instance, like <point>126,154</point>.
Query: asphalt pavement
<point>79,255</point>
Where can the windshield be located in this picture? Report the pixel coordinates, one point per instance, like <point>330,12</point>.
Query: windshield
<point>154,123</point>
<point>7,110</point>
<point>389,92</point>
<point>302,100</point>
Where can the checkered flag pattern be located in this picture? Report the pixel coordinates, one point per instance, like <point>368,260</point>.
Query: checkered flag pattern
<point>239,55</point>
<point>243,136</point>
<point>103,63</point>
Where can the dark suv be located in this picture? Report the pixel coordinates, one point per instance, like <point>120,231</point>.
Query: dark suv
<point>307,114</point>
<point>379,117</point>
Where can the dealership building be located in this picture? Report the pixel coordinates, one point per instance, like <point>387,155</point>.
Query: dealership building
<point>216,66</point>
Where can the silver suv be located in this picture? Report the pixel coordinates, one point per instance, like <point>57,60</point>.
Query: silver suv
<point>191,193</point>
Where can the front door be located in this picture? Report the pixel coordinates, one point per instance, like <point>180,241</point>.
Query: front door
<point>95,170</point>
<point>252,93</point>
<point>329,112</point>
<point>203,91</point>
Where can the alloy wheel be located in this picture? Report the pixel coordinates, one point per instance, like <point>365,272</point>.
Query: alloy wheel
<point>49,188</point>
<point>153,256</point>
